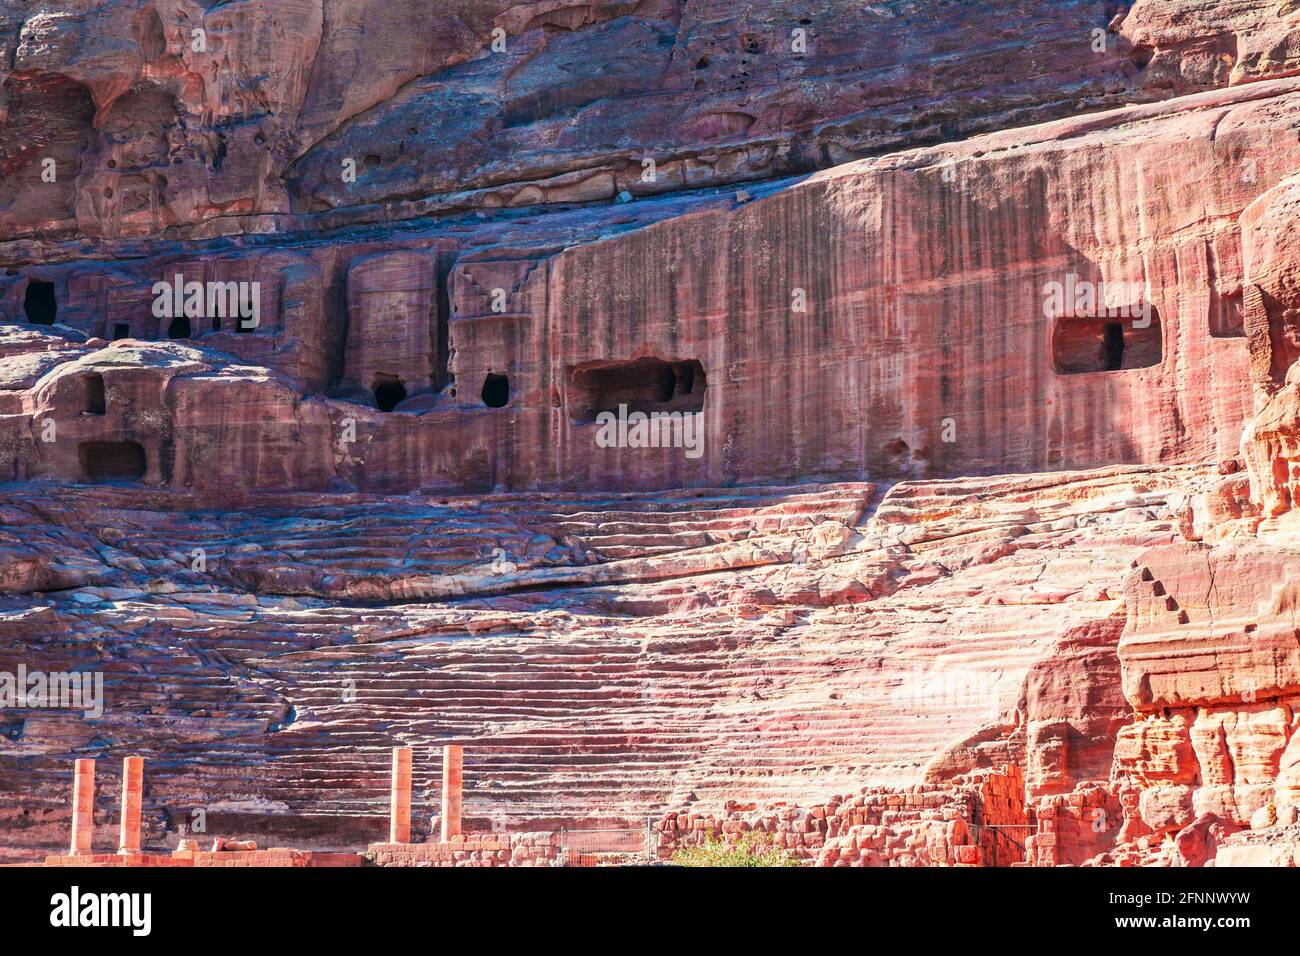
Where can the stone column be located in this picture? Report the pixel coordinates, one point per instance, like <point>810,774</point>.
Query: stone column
<point>451,781</point>
<point>399,821</point>
<point>83,807</point>
<point>132,794</point>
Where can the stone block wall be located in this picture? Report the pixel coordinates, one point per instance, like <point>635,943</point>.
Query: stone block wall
<point>513,849</point>
<point>880,826</point>
<point>1074,827</point>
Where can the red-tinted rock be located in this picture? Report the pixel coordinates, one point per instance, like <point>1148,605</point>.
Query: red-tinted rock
<point>949,579</point>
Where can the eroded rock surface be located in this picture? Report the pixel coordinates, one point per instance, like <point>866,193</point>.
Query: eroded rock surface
<point>597,656</point>
<point>174,114</point>
<point>950,578</point>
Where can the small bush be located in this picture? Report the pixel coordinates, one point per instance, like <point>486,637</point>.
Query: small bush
<point>753,849</point>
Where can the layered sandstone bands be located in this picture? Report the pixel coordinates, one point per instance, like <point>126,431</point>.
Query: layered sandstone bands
<point>947,343</point>
<point>176,115</point>
<point>750,677</point>
<point>953,582</point>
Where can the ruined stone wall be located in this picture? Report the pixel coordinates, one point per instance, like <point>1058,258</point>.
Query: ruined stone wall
<point>954,825</point>
<point>1073,828</point>
<point>475,849</point>
<point>276,857</point>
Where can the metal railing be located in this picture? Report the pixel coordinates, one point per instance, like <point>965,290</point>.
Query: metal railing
<point>602,846</point>
<point>1000,830</point>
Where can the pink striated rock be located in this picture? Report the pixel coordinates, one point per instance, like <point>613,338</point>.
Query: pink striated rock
<point>169,115</point>
<point>502,359</point>
<point>952,580</point>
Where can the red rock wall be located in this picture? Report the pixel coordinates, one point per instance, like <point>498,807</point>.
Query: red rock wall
<point>1213,672</point>
<point>923,303</point>
<point>192,116</point>
<point>1124,634</point>
<point>478,850</point>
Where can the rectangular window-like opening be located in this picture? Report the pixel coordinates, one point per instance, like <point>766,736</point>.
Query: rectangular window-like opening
<point>111,461</point>
<point>39,303</point>
<point>121,330</point>
<point>441,320</point>
<point>643,385</point>
<point>92,394</point>
<point>1105,343</point>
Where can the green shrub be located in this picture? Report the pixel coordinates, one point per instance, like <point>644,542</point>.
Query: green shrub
<point>753,849</point>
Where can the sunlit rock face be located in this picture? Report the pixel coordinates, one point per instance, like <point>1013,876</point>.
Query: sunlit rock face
<point>914,322</point>
<point>176,114</point>
<point>702,411</point>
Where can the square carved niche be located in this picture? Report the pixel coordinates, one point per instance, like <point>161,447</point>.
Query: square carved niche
<point>643,385</point>
<point>1105,343</point>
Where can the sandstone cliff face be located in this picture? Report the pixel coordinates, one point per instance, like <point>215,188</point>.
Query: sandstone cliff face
<point>164,115</point>
<point>912,285</point>
<point>947,561</point>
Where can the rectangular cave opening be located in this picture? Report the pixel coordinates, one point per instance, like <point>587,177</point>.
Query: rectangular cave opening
<point>643,385</point>
<point>92,394</point>
<point>39,303</point>
<point>1105,343</point>
<point>441,375</point>
<point>1112,344</point>
<point>111,461</point>
<point>121,330</point>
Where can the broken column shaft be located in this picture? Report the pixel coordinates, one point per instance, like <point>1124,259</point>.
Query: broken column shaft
<point>399,822</point>
<point>83,807</point>
<point>451,782</point>
<point>132,795</point>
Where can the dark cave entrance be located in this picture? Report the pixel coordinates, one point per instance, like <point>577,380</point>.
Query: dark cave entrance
<point>179,329</point>
<point>92,395</point>
<point>121,330</point>
<point>1101,343</point>
<point>496,390</point>
<point>1113,346</point>
<point>388,395</point>
<point>111,461</point>
<point>643,385</point>
<point>39,303</point>
<point>441,377</point>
